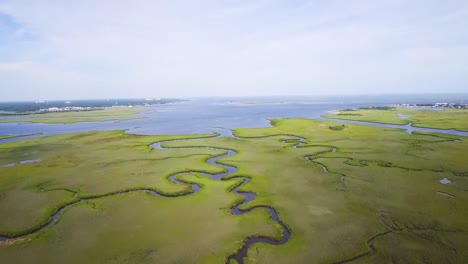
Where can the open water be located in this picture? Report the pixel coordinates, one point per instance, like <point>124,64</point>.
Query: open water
<point>205,115</point>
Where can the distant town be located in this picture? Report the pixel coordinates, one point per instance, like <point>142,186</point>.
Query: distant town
<point>40,107</point>
<point>435,105</point>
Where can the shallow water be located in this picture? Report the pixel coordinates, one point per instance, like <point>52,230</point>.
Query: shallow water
<point>30,161</point>
<point>22,162</point>
<point>204,115</point>
<point>445,181</point>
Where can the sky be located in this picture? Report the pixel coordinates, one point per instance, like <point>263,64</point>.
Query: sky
<point>149,48</point>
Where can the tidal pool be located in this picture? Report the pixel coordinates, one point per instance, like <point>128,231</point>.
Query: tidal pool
<point>445,181</point>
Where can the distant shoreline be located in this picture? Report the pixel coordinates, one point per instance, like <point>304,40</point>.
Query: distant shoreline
<point>255,103</point>
<point>44,107</point>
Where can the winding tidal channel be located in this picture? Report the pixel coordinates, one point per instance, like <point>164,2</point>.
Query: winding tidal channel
<point>238,256</point>
<point>235,210</point>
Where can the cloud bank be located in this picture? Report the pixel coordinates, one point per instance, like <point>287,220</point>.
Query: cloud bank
<point>102,49</point>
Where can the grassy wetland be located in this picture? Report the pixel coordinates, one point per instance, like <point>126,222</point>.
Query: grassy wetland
<point>440,118</point>
<point>346,194</point>
<point>99,115</point>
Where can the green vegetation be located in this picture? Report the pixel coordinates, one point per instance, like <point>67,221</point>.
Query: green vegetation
<point>364,193</point>
<point>378,180</point>
<point>442,119</point>
<point>8,136</point>
<point>337,128</point>
<point>106,114</point>
<point>15,136</point>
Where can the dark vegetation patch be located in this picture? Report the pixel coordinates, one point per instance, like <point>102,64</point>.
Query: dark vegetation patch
<point>348,114</point>
<point>461,174</point>
<point>337,127</point>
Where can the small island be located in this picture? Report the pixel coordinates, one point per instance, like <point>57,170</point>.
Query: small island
<point>440,116</point>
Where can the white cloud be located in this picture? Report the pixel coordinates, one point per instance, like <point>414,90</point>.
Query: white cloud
<point>15,66</point>
<point>183,48</point>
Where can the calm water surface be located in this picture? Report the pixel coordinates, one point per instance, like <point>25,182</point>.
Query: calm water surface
<point>205,115</point>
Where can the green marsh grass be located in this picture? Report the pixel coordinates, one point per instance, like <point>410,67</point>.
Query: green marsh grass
<point>378,200</point>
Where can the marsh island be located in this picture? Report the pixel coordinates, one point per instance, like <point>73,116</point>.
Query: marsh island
<point>300,191</point>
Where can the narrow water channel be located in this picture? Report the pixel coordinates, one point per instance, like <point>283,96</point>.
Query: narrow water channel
<point>238,256</point>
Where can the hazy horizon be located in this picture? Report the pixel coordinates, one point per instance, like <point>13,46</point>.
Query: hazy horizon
<point>180,49</point>
<point>304,96</point>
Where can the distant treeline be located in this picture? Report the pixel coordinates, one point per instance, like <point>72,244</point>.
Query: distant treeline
<point>44,106</point>
<point>378,108</point>
<point>369,108</point>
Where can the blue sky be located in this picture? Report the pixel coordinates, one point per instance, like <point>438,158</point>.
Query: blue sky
<point>143,48</point>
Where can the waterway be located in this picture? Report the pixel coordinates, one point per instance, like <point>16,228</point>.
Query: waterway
<point>204,115</point>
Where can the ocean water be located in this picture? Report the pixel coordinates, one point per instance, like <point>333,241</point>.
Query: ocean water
<point>206,115</point>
